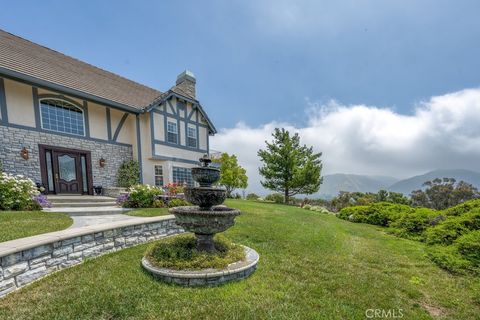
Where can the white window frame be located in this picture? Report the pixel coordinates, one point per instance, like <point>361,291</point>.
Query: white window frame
<point>155,175</point>
<point>70,104</point>
<point>175,133</point>
<point>189,137</point>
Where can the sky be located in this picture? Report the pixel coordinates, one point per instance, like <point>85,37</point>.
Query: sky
<point>380,87</point>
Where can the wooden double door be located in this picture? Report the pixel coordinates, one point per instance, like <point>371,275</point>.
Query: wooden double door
<point>66,171</point>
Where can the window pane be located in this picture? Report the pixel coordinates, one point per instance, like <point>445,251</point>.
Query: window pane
<point>48,156</point>
<point>172,132</point>
<point>84,174</point>
<point>61,116</point>
<point>158,175</point>
<point>182,176</point>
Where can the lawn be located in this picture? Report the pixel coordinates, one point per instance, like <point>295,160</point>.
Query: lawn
<point>312,266</point>
<point>20,224</point>
<point>148,212</point>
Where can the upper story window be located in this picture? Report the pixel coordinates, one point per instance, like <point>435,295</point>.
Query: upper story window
<point>172,132</point>
<point>192,137</point>
<point>62,116</point>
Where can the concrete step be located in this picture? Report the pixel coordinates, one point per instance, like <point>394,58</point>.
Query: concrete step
<point>78,199</point>
<point>83,204</point>
<point>88,211</point>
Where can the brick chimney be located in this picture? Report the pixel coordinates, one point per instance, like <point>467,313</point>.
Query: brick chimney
<point>186,82</point>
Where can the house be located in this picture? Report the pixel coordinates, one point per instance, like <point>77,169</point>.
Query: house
<point>69,125</point>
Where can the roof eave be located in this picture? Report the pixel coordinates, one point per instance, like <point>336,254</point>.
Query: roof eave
<point>76,93</point>
<point>170,94</point>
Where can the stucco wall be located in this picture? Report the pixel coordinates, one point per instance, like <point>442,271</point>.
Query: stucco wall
<point>19,100</point>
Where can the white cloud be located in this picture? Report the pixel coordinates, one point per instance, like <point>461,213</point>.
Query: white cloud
<point>443,132</point>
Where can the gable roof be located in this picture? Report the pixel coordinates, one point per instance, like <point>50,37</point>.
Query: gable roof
<point>23,57</point>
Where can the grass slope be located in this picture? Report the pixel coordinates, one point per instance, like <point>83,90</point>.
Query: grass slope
<point>20,224</point>
<point>312,266</point>
<point>148,212</point>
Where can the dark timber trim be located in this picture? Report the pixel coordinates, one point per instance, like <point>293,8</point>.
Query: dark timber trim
<point>3,102</point>
<point>120,125</point>
<point>19,126</point>
<point>139,147</point>
<point>17,76</point>
<point>109,124</point>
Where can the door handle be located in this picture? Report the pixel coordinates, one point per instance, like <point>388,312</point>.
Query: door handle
<point>56,177</point>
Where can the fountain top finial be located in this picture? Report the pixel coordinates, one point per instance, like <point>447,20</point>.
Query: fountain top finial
<point>205,160</point>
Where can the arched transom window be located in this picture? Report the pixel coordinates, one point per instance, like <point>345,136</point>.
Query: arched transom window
<point>62,116</point>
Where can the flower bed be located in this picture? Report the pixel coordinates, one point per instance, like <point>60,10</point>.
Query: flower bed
<point>20,193</point>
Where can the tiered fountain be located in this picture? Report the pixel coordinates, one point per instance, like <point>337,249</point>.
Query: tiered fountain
<point>205,219</point>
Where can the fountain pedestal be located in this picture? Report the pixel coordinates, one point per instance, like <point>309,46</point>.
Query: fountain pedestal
<point>205,219</point>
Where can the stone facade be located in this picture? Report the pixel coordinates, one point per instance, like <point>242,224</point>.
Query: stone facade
<point>14,139</point>
<point>20,268</point>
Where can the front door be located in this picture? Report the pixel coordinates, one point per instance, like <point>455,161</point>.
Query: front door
<point>67,172</point>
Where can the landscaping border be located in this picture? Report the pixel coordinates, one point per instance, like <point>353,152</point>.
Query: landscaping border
<point>25,260</point>
<point>207,277</point>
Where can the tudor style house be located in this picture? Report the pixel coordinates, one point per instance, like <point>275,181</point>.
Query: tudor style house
<point>69,125</point>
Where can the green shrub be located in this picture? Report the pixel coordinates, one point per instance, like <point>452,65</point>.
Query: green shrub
<point>275,197</point>
<point>319,209</point>
<point>447,257</point>
<point>128,174</point>
<point>453,227</point>
<point>381,213</point>
<point>252,196</point>
<point>468,246</point>
<point>178,203</point>
<point>17,193</point>
<point>180,253</point>
<point>140,196</point>
<point>462,208</point>
<point>412,225</point>
<point>307,207</point>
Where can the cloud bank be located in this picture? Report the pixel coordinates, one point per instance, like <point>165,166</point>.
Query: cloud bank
<point>442,132</point>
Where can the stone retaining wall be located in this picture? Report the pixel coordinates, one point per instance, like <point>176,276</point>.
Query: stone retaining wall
<point>20,266</point>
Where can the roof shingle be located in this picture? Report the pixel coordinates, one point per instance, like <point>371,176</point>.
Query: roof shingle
<point>25,57</point>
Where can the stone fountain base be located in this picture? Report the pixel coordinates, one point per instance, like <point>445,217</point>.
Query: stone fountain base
<point>207,277</point>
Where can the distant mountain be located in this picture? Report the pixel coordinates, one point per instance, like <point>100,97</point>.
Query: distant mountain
<point>406,186</point>
<point>334,183</point>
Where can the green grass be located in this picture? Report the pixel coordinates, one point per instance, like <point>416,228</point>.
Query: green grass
<point>312,266</point>
<point>20,224</point>
<point>180,253</point>
<point>148,212</point>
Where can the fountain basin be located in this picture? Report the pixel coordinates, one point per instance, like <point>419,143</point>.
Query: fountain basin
<point>205,176</point>
<point>205,197</point>
<point>206,277</point>
<point>205,222</point>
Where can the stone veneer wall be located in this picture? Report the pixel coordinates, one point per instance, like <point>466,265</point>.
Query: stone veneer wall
<point>22,267</point>
<point>14,139</point>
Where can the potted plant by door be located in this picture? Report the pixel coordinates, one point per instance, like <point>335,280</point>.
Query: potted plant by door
<point>98,190</point>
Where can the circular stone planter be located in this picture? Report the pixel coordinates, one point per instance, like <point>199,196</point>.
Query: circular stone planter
<point>193,278</point>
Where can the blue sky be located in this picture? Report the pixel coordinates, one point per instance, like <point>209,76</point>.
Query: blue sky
<point>380,87</point>
<point>263,61</point>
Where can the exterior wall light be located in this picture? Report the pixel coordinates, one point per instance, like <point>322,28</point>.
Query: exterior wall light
<point>24,153</point>
<point>102,162</point>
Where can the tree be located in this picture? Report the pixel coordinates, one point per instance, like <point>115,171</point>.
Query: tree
<point>289,167</point>
<point>232,175</point>
<point>443,193</point>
